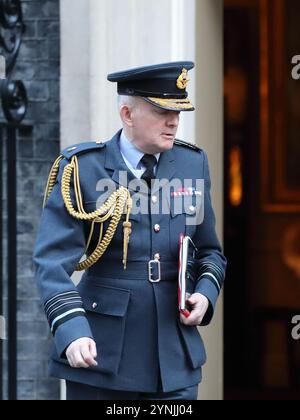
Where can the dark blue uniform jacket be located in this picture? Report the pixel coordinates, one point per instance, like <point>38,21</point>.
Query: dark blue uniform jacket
<point>135,323</point>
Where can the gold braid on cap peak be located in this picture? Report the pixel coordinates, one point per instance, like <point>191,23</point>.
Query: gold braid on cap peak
<point>113,208</point>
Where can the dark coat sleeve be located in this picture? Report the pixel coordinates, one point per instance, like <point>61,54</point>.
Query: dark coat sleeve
<point>210,262</point>
<point>60,244</point>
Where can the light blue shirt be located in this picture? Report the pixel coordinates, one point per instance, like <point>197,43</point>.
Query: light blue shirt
<point>132,157</point>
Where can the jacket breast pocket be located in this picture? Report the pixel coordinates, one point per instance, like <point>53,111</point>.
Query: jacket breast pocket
<point>193,345</point>
<point>106,310</point>
<point>184,219</point>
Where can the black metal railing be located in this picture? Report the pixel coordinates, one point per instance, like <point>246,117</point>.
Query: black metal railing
<point>14,107</point>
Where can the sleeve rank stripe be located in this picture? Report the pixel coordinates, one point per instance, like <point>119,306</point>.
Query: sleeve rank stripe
<point>64,315</point>
<point>56,297</point>
<point>214,278</point>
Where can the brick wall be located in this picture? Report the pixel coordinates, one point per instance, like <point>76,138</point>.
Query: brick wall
<point>38,66</point>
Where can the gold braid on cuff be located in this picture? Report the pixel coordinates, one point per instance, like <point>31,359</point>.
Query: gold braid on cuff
<point>118,203</point>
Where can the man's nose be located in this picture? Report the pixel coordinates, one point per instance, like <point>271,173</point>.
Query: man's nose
<point>173,119</point>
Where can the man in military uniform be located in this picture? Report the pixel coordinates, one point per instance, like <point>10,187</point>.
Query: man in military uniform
<point>119,333</point>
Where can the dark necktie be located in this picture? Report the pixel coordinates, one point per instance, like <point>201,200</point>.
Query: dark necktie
<point>149,161</point>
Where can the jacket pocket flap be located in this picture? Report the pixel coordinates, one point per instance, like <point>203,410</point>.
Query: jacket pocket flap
<point>106,300</point>
<point>189,208</point>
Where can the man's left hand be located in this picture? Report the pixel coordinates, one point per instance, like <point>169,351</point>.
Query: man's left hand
<point>199,305</point>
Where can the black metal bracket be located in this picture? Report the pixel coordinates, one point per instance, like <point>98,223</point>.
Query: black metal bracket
<point>14,104</point>
<point>12,28</point>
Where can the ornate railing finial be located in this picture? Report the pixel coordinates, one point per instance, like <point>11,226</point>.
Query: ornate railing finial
<point>12,28</point>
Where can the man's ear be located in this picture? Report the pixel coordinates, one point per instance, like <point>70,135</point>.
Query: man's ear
<point>126,115</point>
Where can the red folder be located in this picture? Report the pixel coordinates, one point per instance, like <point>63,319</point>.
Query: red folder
<point>185,241</point>
<point>183,265</point>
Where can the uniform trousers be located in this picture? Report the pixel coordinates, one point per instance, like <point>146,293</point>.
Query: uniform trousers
<point>82,392</point>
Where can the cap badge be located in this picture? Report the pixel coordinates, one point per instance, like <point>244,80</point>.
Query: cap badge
<point>183,80</point>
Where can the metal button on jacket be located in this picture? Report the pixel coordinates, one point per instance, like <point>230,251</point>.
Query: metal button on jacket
<point>157,228</point>
<point>71,149</point>
<point>192,209</point>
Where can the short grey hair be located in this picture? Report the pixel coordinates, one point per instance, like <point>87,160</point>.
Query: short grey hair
<point>124,100</point>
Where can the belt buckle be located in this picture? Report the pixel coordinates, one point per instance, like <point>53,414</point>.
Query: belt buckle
<point>150,271</point>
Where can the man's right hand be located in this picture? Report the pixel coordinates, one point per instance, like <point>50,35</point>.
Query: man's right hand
<point>82,353</point>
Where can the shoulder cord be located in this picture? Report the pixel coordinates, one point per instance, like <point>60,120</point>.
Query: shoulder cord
<point>52,179</point>
<point>113,208</point>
